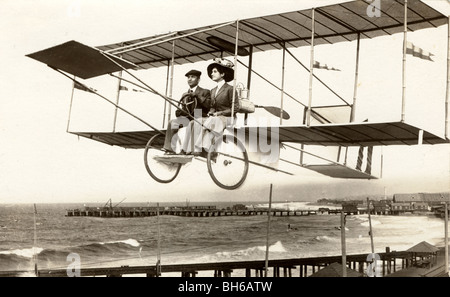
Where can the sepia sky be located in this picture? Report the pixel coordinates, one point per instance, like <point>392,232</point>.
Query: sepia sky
<point>40,162</point>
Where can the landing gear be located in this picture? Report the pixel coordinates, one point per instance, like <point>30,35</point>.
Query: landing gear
<point>228,162</point>
<point>160,169</point>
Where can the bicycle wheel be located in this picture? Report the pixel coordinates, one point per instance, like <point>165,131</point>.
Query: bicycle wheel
<point>161,170</point>
<point>228,162</point>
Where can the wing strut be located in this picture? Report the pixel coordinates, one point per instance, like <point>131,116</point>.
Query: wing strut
<point>447,93</point>
<point>355,86</point>
<point>405,31</point>
<point>147,87</point>
<point>103,97</point>
<point>311,70</point>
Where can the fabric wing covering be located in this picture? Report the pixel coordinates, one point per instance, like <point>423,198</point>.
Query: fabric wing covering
<point>333,23</point>
<point>349,134</point>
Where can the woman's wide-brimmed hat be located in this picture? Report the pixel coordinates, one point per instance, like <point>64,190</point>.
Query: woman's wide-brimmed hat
<point>223,65</point>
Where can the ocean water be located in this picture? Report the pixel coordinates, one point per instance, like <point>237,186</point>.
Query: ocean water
<point>102,242</point>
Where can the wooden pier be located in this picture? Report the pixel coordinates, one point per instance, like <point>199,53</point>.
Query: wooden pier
<point>298,267</point>
<point>133,212</point>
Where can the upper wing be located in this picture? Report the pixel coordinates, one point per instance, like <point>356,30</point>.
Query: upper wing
<point>333,23</point>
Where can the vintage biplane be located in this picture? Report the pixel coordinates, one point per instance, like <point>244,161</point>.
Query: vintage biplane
<point>344,22</point>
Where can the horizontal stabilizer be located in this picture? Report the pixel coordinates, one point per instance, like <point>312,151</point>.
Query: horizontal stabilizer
<point>132,140</point>
<point>80,60</point>
<point>339,171</point>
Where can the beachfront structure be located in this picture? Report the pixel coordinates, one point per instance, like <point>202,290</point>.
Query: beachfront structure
<point>429,198</point>
<point>401,207</point>
<point>377,207</point>
<point>424,254</point>
<point>398,204</point>
<point>419,202</point>
<point>350,207</point>
<point>381,207</point>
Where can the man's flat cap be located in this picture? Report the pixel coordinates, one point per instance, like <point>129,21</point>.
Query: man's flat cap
<point>194,72</point>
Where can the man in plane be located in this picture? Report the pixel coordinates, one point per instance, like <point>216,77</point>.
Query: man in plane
<point>201,96</point>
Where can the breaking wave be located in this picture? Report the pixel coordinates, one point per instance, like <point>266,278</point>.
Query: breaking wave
<point>251,253</point>
<point>131,242</point>
<point>326,238</point>
<point>21,259</point>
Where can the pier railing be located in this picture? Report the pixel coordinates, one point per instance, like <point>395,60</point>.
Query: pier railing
<point>300,267</point>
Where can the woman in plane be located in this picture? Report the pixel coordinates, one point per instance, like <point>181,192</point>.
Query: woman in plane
<point>219,116</point>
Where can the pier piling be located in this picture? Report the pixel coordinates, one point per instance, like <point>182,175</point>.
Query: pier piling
<point>189,211</point>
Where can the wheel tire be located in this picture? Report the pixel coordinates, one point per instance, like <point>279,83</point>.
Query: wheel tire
<point>159,171</point>
<point>228,162</point>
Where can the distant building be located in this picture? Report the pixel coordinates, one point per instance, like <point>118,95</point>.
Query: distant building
<point>420,206</point>
<point>362,208</point>
<point>400,207</point>
<point>350,207</point>
<point>377,207</point>
<point>429,198</point>
<point>239,207</point>
<point>398,204</point>
<point>406,198</point>
<point>435,198</point>
<point>418,202</point>
<point>381,207</point>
